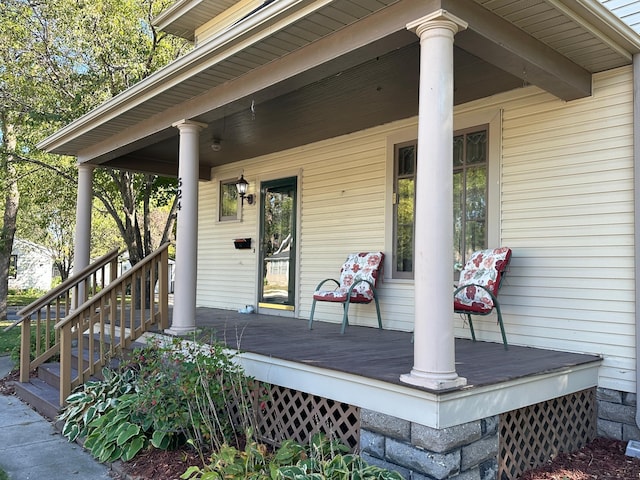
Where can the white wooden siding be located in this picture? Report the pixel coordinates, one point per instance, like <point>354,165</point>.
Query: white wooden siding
<point>342,209</point>
<point>566,209</point>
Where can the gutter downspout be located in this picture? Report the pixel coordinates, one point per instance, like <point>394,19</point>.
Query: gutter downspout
<point>636,214</point>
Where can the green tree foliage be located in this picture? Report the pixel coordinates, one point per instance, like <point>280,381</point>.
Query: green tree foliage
<point>59,60</point>
<point>47,211</point>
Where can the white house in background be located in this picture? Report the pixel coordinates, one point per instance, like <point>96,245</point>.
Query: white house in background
<point>31,266</point>
<point>344,115</point>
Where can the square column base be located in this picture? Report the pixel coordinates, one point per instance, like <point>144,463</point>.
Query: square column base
<point>179,331</point>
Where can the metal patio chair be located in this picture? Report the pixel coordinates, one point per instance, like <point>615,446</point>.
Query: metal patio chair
<point>358,282</point>
<point>480,280</point>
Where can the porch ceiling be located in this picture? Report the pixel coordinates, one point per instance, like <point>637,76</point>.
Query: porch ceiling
<point>304,70</point>
<point>380,90</point>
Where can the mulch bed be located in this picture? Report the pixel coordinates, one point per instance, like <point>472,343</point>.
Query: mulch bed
<point>156,464</point>
<point>602,459</point>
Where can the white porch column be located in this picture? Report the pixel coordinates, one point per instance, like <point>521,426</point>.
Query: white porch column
<point>184,303</point>
<point>434,343</point>
<point>82,239</point>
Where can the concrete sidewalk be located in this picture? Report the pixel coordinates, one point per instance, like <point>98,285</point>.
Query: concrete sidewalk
<point>31,448</point>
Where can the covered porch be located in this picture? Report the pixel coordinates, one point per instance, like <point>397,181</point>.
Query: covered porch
<point>518,408</point>
<point>363,367</point>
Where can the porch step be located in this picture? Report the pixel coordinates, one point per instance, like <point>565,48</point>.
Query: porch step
<point>41,396</point>
<point>43,392</point>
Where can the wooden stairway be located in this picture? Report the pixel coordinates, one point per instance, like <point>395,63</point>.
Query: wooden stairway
<point>42,391</point>
<point>115,310</point>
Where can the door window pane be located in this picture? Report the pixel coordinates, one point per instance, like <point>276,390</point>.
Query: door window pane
<point>469,196</point>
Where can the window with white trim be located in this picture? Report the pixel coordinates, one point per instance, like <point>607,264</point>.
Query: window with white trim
<point>470,191</point>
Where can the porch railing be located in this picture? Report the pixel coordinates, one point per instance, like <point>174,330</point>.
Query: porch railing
<point>51,308</point>
<point>111,320</point>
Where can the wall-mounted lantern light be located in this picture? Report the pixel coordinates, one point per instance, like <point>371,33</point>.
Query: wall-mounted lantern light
<point>242,186</point>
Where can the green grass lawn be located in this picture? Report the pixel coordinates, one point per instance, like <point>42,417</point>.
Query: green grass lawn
<point>8,340</point>
<point>22,298</point>
<point>11,339</point>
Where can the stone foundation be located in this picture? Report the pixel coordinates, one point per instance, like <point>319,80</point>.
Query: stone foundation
<point>463,452</point>
<point>617,415</point>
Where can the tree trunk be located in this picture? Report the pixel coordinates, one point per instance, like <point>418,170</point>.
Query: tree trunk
<point>12,199</point>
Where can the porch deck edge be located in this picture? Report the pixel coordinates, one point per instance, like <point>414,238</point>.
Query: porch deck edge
<point>437,410</point>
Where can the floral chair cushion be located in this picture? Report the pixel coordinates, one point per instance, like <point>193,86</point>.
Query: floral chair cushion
<point>358,266</point>
<point>485,267</point>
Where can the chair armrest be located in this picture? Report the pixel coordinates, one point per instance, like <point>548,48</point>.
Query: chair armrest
<point>493,297</point>
<point>353,285</point>
<point>325,281</point>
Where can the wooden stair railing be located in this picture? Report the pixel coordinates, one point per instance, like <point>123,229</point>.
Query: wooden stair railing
<point>123,311</point>
<point>52,307</point>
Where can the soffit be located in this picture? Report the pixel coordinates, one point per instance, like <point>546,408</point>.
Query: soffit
<point>583,35</point>
<point>184,17</point>
<point>585,32</point>
<point>218,67</point>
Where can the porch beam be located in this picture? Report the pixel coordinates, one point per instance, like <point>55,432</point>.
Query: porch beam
<point>502,44</point>
<point>142,164</point>
<point>434,342</point>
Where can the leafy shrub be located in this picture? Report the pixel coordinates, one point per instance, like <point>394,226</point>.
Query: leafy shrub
<point>119,433</point>
<point>193,391</point>
<point>169,393</point>
<point>321,460</point>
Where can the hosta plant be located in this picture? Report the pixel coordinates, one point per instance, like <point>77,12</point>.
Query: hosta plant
<point>93,399</point>
<point>119,433</point>
<point>321,460</point>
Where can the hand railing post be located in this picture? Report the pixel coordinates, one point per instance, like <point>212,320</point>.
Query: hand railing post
<point>113,270</point>
<point>163,289</point>
<point>25,350</point>
<point>65,363</point>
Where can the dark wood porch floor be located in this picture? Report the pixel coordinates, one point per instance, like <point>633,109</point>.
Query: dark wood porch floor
<point>369,352</point>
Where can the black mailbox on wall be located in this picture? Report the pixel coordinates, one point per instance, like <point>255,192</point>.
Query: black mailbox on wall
<point>242,243</point>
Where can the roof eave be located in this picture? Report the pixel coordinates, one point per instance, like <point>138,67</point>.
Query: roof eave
<point>167,17</point>
<point>611,27</point>
<point>164,78</point>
